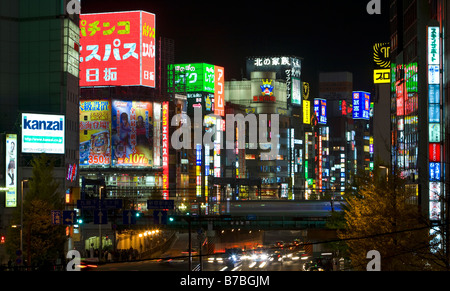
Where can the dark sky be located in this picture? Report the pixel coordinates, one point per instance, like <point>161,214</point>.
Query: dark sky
<point>330,35</point>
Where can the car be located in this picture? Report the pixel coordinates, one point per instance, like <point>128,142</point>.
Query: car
<point>233,257</point>
<point>86,265</point>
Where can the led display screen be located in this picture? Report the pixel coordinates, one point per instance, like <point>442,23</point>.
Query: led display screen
<point>43,133</point>
<point>132,133</point>
<point>95,132</point>
<point>117,49</point>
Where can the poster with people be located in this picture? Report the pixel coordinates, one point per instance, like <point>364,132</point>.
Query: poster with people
<point>11,170</point>
<point>132,133</point>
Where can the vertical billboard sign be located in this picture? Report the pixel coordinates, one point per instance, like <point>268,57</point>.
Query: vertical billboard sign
<point>198,172</point>
<point>434,121</point>
<point>219,95</point>
<point>132,134</point>
<point>11,171</point>
<point>165,149</point>
<point>95,132</point>
<point>297,88</point>
<point>306,112</point>
<point>117,49</point>
<point>157,134</point>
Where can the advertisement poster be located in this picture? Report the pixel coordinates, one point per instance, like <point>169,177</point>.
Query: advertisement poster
<point>132,133</point>
<point>95,132</point>
<point>11,170</point>
<point>43,133</point>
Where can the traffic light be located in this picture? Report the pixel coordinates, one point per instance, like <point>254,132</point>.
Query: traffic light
<point>2,239</point>
<point>80,220</point>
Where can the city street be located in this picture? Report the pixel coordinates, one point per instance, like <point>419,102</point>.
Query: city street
<point>266,257</point>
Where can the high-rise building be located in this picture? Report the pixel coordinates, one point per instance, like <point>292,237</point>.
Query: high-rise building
<point>419,98</point>
<point>39,60</point>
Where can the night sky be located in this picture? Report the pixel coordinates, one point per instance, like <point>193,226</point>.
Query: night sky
<point>329,35</point>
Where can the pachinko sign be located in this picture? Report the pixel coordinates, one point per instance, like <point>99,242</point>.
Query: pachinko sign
<point>132,133</point>
<point>165,149</point>
<point>117,49</point>
<point>95,133</point>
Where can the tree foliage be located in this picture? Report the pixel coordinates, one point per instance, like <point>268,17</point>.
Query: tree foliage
<point>382,216</point>
<point>43,242</point>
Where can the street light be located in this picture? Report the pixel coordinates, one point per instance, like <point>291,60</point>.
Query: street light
<point>21,215</point>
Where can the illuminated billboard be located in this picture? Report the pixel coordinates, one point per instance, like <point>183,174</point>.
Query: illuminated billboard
<point>132,133</point>
<point>285,67</point>
<point>11,171</point>
<point>118,49</point>
<point>361,105</point>
<point>43,133</point>
<point>382,63</point>
<point>435,145</point>
<point>165,148</point>
<point>296,92</point>
<point>219,91</point>
<point>191,78</point>
<point>306,112</point>
<point>95,132</point>
<point>320,109</point>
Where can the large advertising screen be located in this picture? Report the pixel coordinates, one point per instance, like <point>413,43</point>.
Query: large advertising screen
<point>132,133</point>
<point>95,133</point>
<point>117,49</point>
<point>43,133</point>
<point>11,171</point>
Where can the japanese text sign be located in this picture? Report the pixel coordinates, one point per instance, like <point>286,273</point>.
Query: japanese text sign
<point>117,49</point>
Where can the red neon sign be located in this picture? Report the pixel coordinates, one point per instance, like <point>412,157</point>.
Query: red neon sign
<point>435,152</point>
<point>117,49</point>
<point>219,88</point>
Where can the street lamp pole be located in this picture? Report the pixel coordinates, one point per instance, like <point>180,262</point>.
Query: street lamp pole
<point>21,215</point>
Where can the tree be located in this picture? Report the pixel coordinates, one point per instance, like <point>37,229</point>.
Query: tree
<point>42,241</point>
<point>381,217</point>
